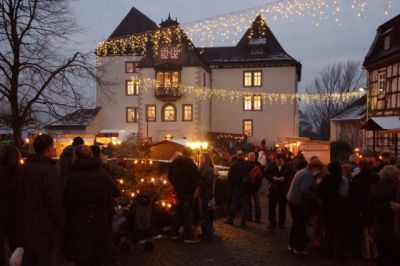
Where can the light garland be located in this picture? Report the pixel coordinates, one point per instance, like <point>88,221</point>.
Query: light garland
<point>232,95</point>
<point>228,27</point>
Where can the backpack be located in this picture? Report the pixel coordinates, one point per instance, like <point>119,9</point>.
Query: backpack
<point>252,180</point>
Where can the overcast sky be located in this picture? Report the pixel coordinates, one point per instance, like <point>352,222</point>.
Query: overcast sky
<point>314,46</point>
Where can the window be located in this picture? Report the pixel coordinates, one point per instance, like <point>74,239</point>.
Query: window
<point>168,113</point>
<point>252,78</point>
<point>132,87</point>
<point>131,114</point>
<point>252,103</point>
<point>167,79</point>
<point>257,103</point>
<point>187,112</point>
<point>257,50</point>
<point>130,67</point>
<point>382,83</point>
<point>386,44</point>
<point>248,105</point>
<point>248,127</point>
<point>151,113</point>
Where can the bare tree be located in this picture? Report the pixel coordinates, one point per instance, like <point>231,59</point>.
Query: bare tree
<point>335,78</point>
<point>39,76</point>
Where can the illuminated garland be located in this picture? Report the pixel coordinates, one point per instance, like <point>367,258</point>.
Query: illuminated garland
<point>228,27</point>
<point>204,93</point>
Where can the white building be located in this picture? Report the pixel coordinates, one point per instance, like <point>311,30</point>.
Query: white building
<point>166,110</point>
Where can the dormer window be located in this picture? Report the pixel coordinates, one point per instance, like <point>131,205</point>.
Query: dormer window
<point>257,50</point>
<point>386,43</point>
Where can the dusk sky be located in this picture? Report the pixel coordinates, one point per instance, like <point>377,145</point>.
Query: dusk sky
<point>314,46</point>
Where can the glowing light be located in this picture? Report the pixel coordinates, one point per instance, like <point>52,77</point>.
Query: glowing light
<point>142,180</point>
<point>121,181</point>
<point>133,194</point>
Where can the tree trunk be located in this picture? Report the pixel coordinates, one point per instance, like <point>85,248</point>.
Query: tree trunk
<point>17,137</point>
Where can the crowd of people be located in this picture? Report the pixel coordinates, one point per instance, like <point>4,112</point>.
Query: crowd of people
<point>50,208</point>
<point>354,202</point>
<point>66,207</point>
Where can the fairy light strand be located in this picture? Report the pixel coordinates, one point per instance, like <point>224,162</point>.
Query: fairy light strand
<point>232,95</point>
<point>227,28</point>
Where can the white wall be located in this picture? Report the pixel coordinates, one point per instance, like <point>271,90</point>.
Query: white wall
<point>274,121</point>
<point>112,98</point>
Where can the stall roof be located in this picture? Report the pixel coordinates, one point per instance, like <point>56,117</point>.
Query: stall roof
<point>385,123</point>
<point>355,111</point>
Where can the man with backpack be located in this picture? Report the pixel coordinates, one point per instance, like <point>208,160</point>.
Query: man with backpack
<point>279,174</point>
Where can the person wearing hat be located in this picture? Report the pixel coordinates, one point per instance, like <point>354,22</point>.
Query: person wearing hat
<point>279,174</point>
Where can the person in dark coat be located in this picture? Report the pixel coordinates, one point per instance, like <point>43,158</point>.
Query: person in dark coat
<point>9,164</point>
<point>184,176</point>
<point>66,158</point>
<point>206,193</point>
<point>279,174</point>
<point>255,192</point>
<point>88,200</point>
<point>241,195</point>
<point>383,217</point>
<point>333,210</point>
<point>39,210</point>
<point>358,204</point>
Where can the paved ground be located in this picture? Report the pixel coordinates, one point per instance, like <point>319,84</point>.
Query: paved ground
<point>232,245</point>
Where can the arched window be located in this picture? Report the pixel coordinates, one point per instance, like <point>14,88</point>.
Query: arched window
<point>169,113</point>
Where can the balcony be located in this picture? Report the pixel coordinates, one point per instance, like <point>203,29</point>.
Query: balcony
<point>168,94</point>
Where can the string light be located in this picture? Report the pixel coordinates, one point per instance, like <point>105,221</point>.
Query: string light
<point>204,93</point>
<point>226,28</point>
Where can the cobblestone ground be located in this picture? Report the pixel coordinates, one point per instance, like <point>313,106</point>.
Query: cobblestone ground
<point>232,245</point>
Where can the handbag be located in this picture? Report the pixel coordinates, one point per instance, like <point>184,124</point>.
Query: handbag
<point>16,257</point>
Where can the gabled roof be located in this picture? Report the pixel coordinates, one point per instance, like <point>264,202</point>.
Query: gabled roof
<point>259,36</point>
<point>355,111</point>
<point>134,22</point>
<point>377,52</point>
<point>79,119</point>
<point>385,123</point>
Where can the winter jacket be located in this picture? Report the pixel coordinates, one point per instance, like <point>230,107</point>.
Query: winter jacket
<point>7,191</point>
<point>301,191</point>
<point>239,169</point>
<point>206,182</point>
<point>279,188</point>
<point>383,218</point>
<point>360,191</point>
<point>65,163</point>
<point>89,209</point>
<point>39,208</point>
<point>183,175</point>
<point>333,205</point>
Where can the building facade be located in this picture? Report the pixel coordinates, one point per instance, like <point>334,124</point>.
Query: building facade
<point>173,106</point>
<point>383,65</point>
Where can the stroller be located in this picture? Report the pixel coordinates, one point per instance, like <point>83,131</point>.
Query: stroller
<point>132,222</point>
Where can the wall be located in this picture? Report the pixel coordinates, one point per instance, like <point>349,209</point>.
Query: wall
<point>274,122</point>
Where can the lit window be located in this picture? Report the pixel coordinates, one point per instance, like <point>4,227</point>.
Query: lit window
<point>257,103</point>
<point>252,79</point>
<point>248,127</point>
<point>252,103</point>
<point>175,79</point>
<point>160,79</point>
<point>151,113</point>
<point>187,112</point>
<point>257,80</point>
<point>167,79</point>
<point>131,114</point>
<point>386,43</point>
<point>247,103</point>
<point>248,79</point>
<point>130,67</point>
<point>132,87</point>
<point>169,113</point>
